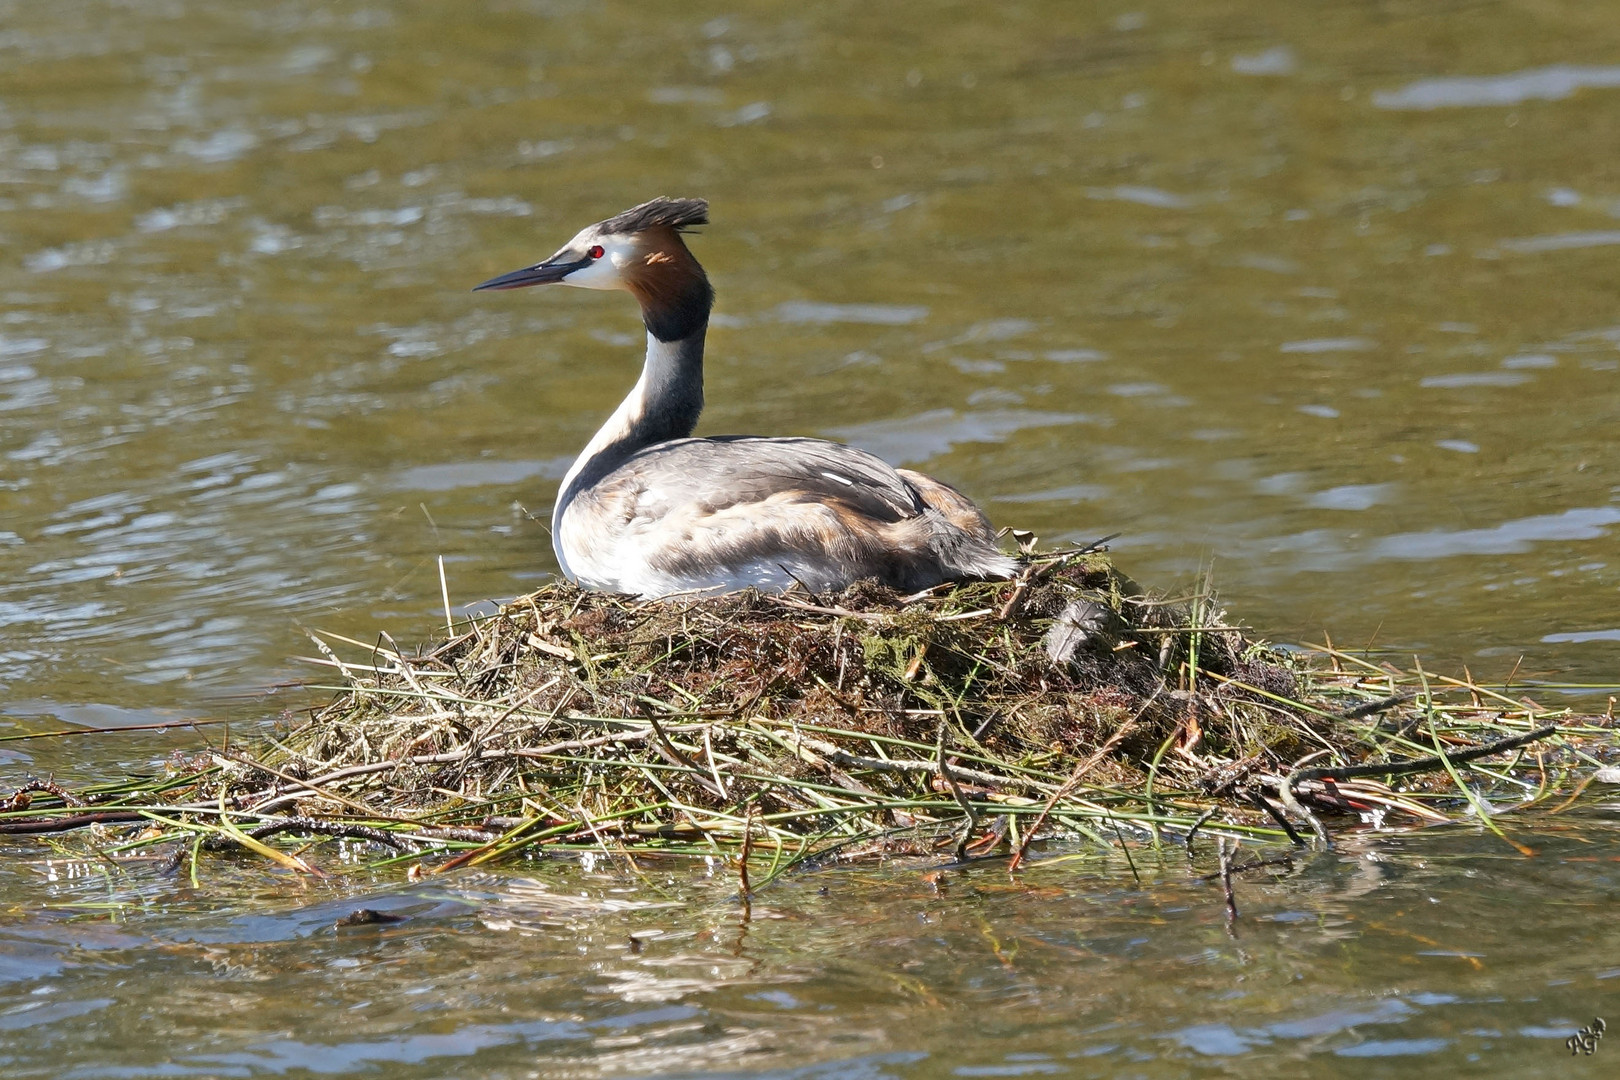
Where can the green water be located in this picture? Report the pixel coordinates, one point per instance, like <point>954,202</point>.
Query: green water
<point>1323,294</point>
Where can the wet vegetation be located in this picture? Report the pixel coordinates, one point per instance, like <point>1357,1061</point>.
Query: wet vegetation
<point>963,722</point>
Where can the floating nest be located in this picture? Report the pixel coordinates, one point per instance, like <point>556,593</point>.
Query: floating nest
<point>967,720</point>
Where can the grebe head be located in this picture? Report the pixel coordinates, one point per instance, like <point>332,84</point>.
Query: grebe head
<point>639,251</point>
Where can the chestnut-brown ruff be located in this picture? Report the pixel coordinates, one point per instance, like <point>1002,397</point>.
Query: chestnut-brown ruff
<point>664,277</point>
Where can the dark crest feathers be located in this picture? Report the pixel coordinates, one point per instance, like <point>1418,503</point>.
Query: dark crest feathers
<point>677,214</point>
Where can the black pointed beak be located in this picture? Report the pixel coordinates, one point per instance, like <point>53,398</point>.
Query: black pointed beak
<point>552,270</point>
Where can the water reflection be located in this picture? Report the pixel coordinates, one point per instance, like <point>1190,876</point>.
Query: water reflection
<point>919,438</point>
<point>1532,245</point>
<point>1395,946</point>
<point>1552,83</point>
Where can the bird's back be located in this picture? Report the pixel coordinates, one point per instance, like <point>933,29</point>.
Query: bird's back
<point>723,513</point>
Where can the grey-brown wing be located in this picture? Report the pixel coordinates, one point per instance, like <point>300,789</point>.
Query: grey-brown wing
<point>717,473</point>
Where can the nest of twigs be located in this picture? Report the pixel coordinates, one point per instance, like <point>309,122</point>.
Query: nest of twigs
<point>971,720</point>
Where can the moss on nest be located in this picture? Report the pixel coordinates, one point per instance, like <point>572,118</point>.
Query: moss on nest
<point>973,665</point>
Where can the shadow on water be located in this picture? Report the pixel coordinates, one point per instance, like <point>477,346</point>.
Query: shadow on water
<point>1323,293</point>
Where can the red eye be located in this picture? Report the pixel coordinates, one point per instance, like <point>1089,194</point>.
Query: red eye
<point>596,251</point>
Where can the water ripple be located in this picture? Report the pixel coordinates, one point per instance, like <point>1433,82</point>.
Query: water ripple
<point>930,434</point>
<point>1514,88</point>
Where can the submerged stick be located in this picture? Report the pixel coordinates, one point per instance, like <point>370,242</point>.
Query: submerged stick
<point>961,799</point>
<point>742,859</point>
<point>319,827</point>
<point>1226,881</point>
<point>1203,819</point>
<point>67,824</point>
<point>1276,815</point>
<point>1290,801</point>
<point>1425,764</point>
<point>113,730</point>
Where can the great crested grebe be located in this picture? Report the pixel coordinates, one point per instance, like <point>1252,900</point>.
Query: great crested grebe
<point>646,509</point>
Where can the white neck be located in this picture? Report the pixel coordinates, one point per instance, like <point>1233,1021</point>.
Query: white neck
<point>664,404</point>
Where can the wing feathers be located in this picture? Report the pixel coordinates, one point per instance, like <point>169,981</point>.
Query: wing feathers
<point>703,511</point>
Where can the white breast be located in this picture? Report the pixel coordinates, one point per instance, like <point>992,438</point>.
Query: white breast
<point>597,556</point>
